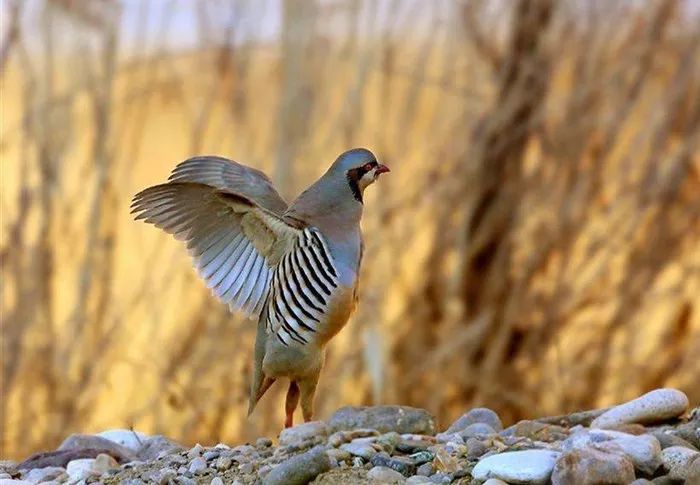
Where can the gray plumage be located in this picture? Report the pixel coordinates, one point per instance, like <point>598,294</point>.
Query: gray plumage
<point>293,268</point>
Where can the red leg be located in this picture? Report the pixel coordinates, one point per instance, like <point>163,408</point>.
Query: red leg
<point>291,404</point>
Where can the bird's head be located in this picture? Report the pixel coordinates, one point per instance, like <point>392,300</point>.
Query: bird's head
<point>360,168</point>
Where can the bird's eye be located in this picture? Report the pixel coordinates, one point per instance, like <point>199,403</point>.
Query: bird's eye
<point>367,167</point>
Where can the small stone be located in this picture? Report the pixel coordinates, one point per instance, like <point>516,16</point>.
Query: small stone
<point>223,463</point>
<point>677,460</point>
<point>653,407</point>
<point>128,438</point>
<point>690,432</point>
<point>475,448</point>
<point>364,450</point>
<point>527,466</point>
<point>338,454</point>
<point>246,468</point>
<point>449,438</point>
<point>476,429</point>
<point>383,474</point>
<point>340,437</point>
<point>589,466</point>
<point>422,457</point>
<point>405,466</point>
<point>526,429</point>
<point>195,451</point>
<point>263,442</point>
<point>158,446</point>
<point>9,481</point>
<point>388,441</point>
<point>668,439</point>
<point>476,415</point>
<point>210,455</point>
<point>443,462</point>
<point>425,470</point>
<point>357,462</point>
<point>494,481</point>
<point>80,469</point>
<point>402,419</point>
<point>299,469</point>
<point>440,477</point>
<point>411,445</point>
<point>198,465</point>
<point>417,480</point>
<point>38,475</point>
<point>104,463</point>
<point>217,481</point>
<point>303,432</point>
<point>641,481</point>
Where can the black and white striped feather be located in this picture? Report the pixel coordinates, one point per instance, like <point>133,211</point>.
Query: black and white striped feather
<point>302,285</point>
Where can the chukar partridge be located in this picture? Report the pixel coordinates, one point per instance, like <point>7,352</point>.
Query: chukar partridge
<point>292,268</point>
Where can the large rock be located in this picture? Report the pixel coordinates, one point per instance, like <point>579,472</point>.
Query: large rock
<point>589,466</point>
<point>158,446</point>
<point>653,407</point>
<point>302,432</point>
<point>86,442</point>
<point>518,467</point>
<point>474,416</point>
<point>677,460</point>
<point>402,419</point>
<point>643,450</point>
<point>300,469</point>
<point>128,438</point>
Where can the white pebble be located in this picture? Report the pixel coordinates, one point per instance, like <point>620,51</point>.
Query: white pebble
<point>384,474</point>
<point>644,450</point>
<point>527,466</point>
<point>494,481</point>
<point>217,481</point>
<point>80,469</point>
<point>653,407</point>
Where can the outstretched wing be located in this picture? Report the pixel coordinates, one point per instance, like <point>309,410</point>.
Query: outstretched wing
<point>228,215</point>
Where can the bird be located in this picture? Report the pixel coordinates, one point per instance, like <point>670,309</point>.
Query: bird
<point>293,268</point>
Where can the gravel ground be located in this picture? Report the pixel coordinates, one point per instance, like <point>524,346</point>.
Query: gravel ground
<point>652,439</point>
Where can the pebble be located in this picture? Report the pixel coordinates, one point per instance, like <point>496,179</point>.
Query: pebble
<point>653,407</point>
<point>363,450</point>
<point>128,438</point>
<point>211,455</point>
<point>383,474</point>
<point>80,469</point>
<point>516,467</point>
<point>589,466</point>
<point>223,463</point>
<point>669,439</point>
<point>476,429</point>
<point>158,446</point>
<point>45,474</point>
<point>9,481</point>
<point>405,466</point>
<point>440,477</point>
<point>494,481</point>
<point>422,457</point>
<point>299,469</point>
<point>198,465</point>
<point>302,432</point>
<point>263,442</point>
<point>677,460</point>
<point>443,462</point>
<point>475,448</point>
<point>425,470</point>
<point>217,481</point>
<point>195,451</point>
<point>643,450</point>
<point>338,454</point>
<point>417,480</point>
<point>476,415</point>
<point>402,419</point>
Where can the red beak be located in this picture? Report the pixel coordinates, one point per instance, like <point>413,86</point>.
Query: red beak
<point>382,169</point>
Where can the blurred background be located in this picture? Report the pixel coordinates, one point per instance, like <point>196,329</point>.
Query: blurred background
<point>536,248</point>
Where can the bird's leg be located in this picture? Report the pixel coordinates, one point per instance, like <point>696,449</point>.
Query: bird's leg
<point>291,403</point>
<point>308,390</point>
